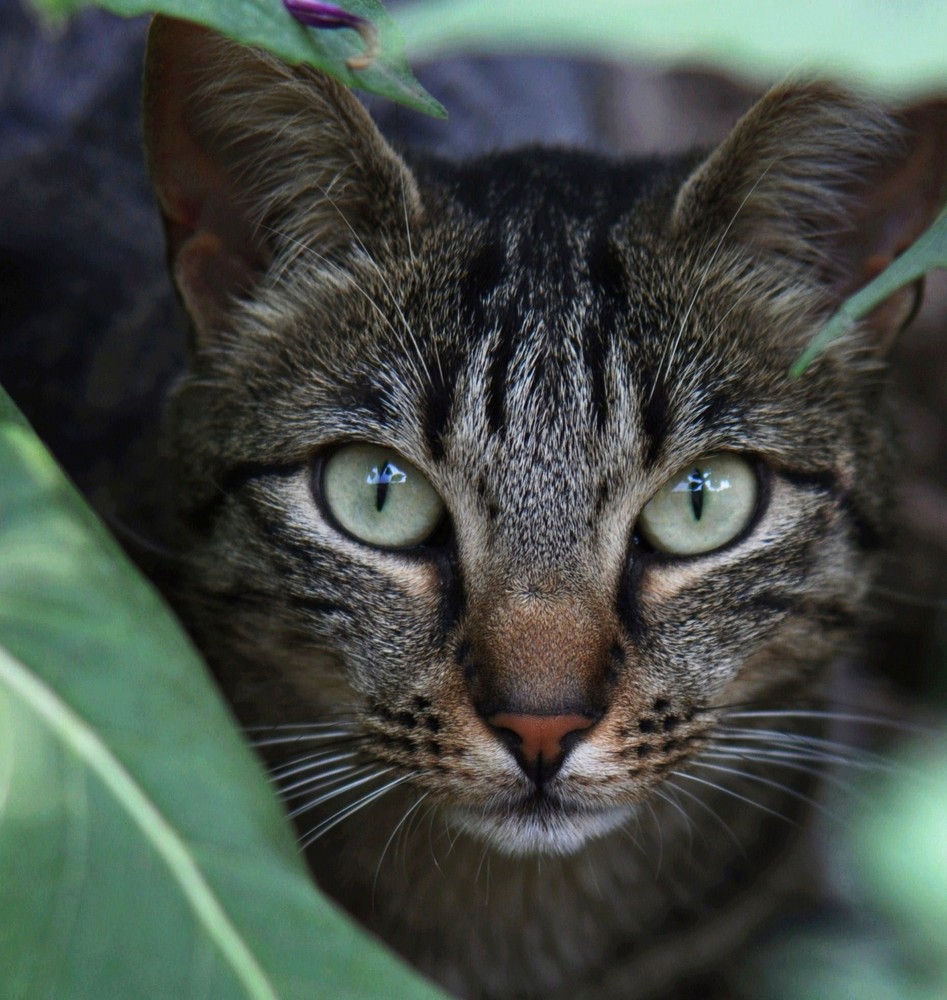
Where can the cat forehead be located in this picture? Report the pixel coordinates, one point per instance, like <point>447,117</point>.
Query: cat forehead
<point>536,313</point>
<point>537,296</point>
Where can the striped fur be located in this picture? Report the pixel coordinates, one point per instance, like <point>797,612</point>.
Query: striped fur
<point>549,336</point>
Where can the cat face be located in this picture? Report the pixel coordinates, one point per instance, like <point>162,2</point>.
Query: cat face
<point>495,479</point>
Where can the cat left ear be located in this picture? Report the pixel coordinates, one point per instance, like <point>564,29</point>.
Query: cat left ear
<point>834,183</point>
<point>249,156</point>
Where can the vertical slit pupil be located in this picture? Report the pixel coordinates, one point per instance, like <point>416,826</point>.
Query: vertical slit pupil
<point>390,473</point>
<point>697,484</point>
<point>381,493</point>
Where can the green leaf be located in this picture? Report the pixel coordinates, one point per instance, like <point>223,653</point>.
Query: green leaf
<point>268,24</point>
<point>927,253</point>
<point>142,853</point>
<point>872,43</point>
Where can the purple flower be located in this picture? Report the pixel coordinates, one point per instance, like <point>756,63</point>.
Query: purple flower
<point>326,15</point>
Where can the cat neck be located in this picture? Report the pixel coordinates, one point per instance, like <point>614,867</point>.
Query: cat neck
<point>486,924</point>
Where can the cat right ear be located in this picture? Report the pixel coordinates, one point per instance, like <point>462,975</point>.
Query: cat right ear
<point>248,156</point>
<point>830,182</point>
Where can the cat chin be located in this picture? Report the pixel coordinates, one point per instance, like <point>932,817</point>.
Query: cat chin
<point>517,833</point>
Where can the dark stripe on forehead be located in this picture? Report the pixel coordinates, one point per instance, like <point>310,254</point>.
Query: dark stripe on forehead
<point>719,410</point>
<point>367,399</point>
<point>544,275</point>
<point>484,271</point>
<point>605,272</point>
<point>498,367</point>
<point>438,404</point>
<point>655,417</point>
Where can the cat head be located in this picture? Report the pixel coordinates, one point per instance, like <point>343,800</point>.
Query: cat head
<point>496,469</point>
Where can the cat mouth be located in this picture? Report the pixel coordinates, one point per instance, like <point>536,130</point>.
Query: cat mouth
<point>539,823</point>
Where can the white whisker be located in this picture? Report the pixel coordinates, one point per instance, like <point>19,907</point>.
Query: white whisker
<point>321,780</point>
<point>391,295</point>
<point>801,752</point>
<point>310,762</point>
<point>729,791</point>
<point>408,812</point>
<point>334,738</point>
<point>697,800</point>
<point>343,814</point>
<point>299,810</point>
<point>829,715</point>
<point>761,779</point>
<point>674,341</point>
<point>665,796</point>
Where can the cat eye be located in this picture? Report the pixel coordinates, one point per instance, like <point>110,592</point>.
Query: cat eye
<point>701,508</point>
<point>379,497</point>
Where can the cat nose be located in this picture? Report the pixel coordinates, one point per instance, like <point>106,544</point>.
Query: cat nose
<point>540,742</point>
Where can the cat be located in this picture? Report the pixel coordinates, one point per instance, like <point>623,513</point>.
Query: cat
<point>507,533</point>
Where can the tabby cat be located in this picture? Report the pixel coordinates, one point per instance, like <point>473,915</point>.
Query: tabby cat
<point>508,534</point>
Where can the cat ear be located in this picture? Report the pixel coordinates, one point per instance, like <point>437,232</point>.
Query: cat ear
<point>249,155</point>
<point>835,183</point>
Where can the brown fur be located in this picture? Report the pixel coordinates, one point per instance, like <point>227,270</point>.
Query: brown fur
<point>549,337</point>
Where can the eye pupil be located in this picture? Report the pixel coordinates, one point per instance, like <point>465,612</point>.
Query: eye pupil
<point>358,485</point>
<point>697,493</point>
<point>390,473</point>
<point>702,507</point>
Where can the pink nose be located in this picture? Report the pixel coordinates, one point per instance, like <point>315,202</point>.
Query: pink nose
<point>541,737</point>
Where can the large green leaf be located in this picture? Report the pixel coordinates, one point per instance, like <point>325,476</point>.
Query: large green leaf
<point>142,853</point>
<point>883,44</point>
<point>268,24</point>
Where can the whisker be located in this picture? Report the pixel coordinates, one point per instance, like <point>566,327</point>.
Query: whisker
<point>801,752</point>
<point>407,223</point>
<point>321,779</point>
<point>299,810</point>
<point>823,773</point>
<point>729,791</point>
<point>319,783</point>
<point>829,715</point>
<point>339,271</point>
<point>675,340</point>
<point>779,740</point>
<point>310,761</point>
<point>660,832</point>
<point>139,542</point>
<point>699,801</point>
<point>343,814</point>
<point>761,779</point>
<point>288,726</point>
<point>334,736</point>
<point>408,812</point>
<point>381,275</point>
<point>915,600</point>
<point>665,796</point>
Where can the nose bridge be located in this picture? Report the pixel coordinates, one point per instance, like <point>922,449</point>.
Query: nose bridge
<point>542,654</point>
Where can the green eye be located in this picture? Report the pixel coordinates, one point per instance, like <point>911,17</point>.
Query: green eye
<point>703,507</point>
<point>380,497</point>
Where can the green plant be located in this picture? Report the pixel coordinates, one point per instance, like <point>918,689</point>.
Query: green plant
<point>142,852</point>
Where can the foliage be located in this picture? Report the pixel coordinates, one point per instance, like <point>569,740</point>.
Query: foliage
<point>142,852</point>
<point>268,24</point>
<point>927,253</point>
